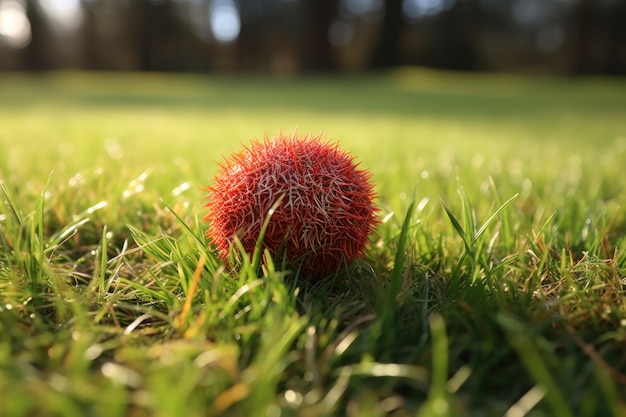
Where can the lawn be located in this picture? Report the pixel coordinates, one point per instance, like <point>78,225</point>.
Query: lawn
<point>494,284</point>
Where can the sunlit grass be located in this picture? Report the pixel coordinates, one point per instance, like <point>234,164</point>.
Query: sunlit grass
<point>493,286</point>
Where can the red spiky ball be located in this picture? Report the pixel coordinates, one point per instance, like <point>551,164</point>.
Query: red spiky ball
<point>327,210</point>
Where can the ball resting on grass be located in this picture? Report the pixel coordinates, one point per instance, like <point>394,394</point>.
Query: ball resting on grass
<point>324,204</point>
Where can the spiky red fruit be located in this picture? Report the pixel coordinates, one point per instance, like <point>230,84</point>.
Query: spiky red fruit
<point>327,209</point>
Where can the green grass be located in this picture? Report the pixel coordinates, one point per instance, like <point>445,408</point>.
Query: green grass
<point>493,286</point>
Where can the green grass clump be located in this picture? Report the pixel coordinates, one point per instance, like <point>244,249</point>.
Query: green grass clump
<point>493,286</point>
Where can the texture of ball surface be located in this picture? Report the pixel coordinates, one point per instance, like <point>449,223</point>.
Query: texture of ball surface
<point>326,214</point>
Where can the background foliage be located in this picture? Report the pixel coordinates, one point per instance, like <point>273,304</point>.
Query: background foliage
<point>294,36</point>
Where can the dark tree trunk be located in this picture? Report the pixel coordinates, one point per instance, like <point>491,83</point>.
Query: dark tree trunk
<point>155,36</point>
<point>90,43</point>
<point>388,49</point>
<point>453,47</point>
<point>584,23</point>
<point>315,52</point>
<point>35,53</point>
<point>617,35</point>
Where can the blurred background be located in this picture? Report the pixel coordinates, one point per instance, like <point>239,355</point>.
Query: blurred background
<point>298,36</point>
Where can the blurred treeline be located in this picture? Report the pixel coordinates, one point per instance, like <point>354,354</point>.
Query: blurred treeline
<point>294,36</point>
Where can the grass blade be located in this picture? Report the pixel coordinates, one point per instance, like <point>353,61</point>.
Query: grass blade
<point>492,218</point>
<point>8,201</point>
<point>102,267</point>
<point>399,263</point>
<point>520,338</point>
<point>258,248</point>
<point>459,229</point>
<point>437,403</point>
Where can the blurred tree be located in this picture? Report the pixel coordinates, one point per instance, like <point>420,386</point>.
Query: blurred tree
<point>35,53</point>
<point>287,36</point>
<point>156,32</point>
<point>90,36</point>
<point>447,39</point>
<point>600,42</point>
<point>388,50</point>
<point>456,36</point>
<point>315,49</point>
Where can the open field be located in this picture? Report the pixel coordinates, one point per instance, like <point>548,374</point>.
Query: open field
<point>493,286</point>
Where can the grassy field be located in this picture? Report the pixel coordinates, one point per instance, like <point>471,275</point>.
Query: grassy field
<point>493,286</point>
